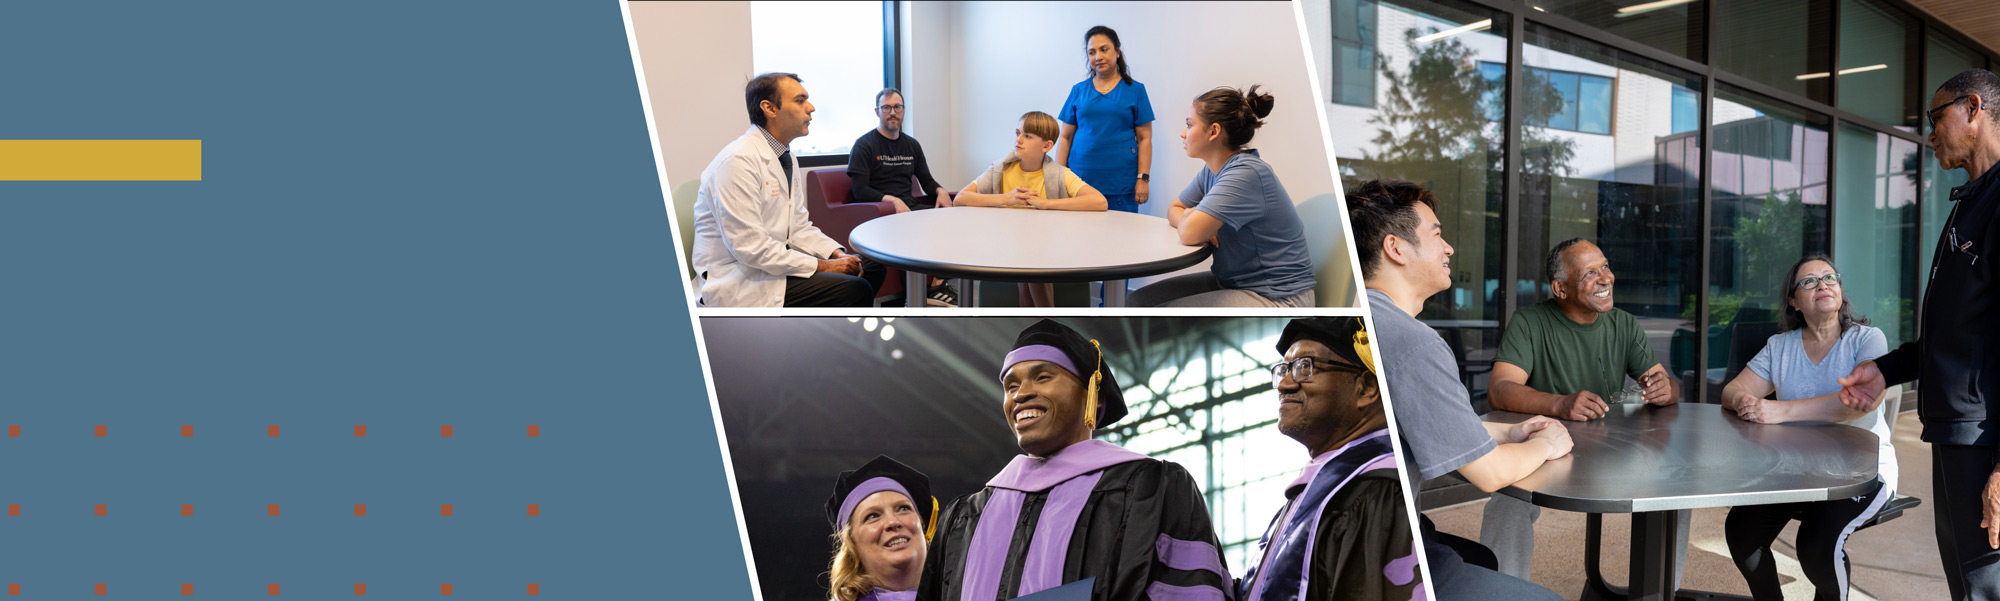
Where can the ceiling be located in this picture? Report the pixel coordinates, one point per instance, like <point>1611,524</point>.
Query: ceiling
<point>1978,19</point>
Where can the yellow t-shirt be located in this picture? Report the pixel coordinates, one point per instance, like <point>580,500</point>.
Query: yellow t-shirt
<point>1013,177</point>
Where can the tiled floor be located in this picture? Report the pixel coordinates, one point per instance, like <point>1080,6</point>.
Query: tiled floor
<point>1893,561</point>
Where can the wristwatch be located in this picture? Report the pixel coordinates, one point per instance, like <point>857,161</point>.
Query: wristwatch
<point>1146,177</point>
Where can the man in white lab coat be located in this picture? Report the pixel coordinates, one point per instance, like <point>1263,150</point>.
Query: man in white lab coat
<point>753,244</point>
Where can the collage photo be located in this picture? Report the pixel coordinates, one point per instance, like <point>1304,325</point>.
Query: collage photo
<point>1341,299</point>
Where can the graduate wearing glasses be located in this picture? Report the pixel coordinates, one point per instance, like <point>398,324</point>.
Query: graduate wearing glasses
<point>1344,532</point>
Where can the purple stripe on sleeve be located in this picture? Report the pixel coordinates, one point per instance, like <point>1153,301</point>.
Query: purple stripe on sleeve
<point>1161,591</point>
<point>1049,550</point>
<point>1190,555</point>
<point>986,555</point>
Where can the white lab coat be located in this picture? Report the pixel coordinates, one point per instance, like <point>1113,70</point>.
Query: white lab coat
<point>749,235</point>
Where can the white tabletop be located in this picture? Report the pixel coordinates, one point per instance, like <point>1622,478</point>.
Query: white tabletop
<point>1025,245</point>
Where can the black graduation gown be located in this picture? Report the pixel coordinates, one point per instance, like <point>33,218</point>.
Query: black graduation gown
<point>1117,538</point>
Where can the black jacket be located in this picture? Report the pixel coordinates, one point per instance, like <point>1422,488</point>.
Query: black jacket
<point>1956,356</point>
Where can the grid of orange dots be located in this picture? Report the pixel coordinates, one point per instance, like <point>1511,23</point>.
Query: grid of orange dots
<point>273,510</point>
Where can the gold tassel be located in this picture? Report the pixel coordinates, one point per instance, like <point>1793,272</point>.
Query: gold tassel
<point>1090,394</point>
<point>930,530</point>
<point>1361,349</point>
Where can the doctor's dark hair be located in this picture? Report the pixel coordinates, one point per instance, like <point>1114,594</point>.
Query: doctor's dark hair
<point>1552,265</point>
<point>1125,75</point>
<point>1795,319</point>
<point>761,88</point>
<point>1974,81</point>
<point>1239,113</point>
<point>1382,208</point>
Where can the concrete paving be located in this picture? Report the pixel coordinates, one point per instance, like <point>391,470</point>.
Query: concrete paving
<point>1893,561</point>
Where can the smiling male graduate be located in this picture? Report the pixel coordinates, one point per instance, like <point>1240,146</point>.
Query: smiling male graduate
<point>1071,507</point>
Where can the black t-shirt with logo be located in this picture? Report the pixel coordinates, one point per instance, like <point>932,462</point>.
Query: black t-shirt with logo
<point>879,165</point>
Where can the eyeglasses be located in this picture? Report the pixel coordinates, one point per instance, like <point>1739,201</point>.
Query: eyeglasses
<point>891,108</point>
<point>1816,283</point>
<point>1301,370</point>
<point>1933,114</point>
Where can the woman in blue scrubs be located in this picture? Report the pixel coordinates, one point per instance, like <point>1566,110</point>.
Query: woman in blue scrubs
<point>1107,126</point>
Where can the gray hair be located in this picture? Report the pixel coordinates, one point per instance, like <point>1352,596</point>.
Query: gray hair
<point>1553,265</point>
<point>1976,81</point>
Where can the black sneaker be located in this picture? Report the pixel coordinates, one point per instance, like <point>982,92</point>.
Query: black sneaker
<point>942,296</point>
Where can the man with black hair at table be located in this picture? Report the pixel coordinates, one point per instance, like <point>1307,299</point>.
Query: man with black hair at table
<point>1072,507</point>
<point>754,246</point>
<point>1344,532</point>
<point>1404,260</point>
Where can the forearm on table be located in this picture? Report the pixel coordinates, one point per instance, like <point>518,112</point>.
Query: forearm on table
<point>1176,212</point>
<point>1824,408</point>
<point>1505,465</point>
<point>975,199</point>
<point>1088,201</point>
<point>1519,398</point>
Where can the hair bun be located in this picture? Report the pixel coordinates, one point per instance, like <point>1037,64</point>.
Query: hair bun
<point>1259,104</point>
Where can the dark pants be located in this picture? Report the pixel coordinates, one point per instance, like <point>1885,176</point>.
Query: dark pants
<point>1958,477</point>
<point>1453,578</point>
<point>826,289</point>
<point>1823,530</point>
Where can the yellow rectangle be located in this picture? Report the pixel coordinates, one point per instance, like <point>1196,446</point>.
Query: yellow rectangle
<point>100,160</point>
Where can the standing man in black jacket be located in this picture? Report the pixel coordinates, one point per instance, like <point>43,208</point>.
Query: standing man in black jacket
<point>1956,357</point>
<point>882,162</point>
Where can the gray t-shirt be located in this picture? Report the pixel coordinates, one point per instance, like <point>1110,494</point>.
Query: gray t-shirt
<point>1784,363</point>
<point>1434,418</point>
<point>1262,242</point>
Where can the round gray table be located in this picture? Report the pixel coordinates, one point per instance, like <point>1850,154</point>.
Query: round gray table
<point>1651,461</point>
<point>1024,245</point>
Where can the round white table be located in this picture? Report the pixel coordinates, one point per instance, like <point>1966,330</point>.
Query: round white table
<point>1024,245</point>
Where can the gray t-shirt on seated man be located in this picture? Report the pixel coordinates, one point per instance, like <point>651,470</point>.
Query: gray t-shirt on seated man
<point>1434,417</point>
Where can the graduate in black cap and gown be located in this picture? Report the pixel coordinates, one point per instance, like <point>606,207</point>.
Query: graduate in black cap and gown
<point>1344,532</point>
<point>883,516</point>
<point>1072,507</point>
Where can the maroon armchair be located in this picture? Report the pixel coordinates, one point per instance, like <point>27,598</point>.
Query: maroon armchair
<point>835,214</point>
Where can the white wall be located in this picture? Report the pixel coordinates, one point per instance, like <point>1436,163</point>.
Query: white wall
<point>1006,59</point>
<point>696,57</point>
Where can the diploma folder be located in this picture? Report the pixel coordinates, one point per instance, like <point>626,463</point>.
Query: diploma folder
<point>1074,591</point>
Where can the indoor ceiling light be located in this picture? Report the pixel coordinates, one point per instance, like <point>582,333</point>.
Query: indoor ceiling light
<point>1843,72</point>
<point>1469,27</point>
<point>1637,9</point>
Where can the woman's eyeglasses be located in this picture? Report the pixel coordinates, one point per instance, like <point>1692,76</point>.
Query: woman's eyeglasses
<point>1301,370</point>
<point>1815,283</point>
<point>1933,114</point>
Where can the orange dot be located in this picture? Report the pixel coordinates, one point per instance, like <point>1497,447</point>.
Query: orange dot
<point>534,589</point>
<point>534,431</point>
<point>361,431</point>
<point>100,589</point>
<point>271,510</point>
<point>101,433</point>
<point>271,589</point>
<point>360,510</point>
<point>271,431</point>
<point>444,510</point>
<point>360,589</point>
<point>187,510</point>
<point>13,431</point>
<point>534,509</point>
<point>444,589</point>
<point>14,510</point>
<point>187,431</point>
<point>444,431</point>
<point>187,588</point>
<point>100,512</point>
<point>14,589</point>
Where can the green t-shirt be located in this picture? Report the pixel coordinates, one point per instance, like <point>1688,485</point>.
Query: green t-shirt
<point>1563,356</point>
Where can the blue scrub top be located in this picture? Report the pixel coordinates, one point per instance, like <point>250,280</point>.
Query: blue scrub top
<point>1105,152</point>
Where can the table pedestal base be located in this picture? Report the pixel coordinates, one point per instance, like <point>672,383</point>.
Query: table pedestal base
<point>1652,571</point>
<point>1113,294</point>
